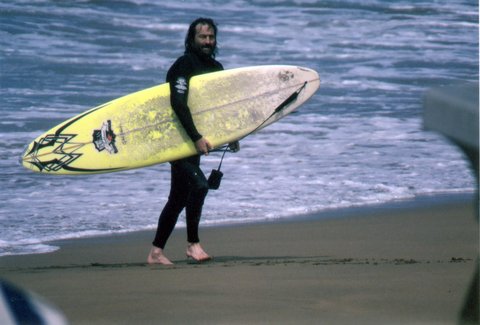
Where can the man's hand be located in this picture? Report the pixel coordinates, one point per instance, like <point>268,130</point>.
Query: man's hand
<point>203,146</point>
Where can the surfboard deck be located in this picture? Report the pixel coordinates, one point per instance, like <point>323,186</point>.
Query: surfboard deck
<point>141,129</point>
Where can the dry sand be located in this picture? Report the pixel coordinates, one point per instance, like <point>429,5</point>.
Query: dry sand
<point>408,263</point>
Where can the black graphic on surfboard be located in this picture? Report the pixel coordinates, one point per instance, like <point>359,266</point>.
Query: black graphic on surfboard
<point>59,142</point>
<point>104,139</point>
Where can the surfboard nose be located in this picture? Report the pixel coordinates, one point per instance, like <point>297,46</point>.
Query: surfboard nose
<point>311,75</point>
<point>311,79</point>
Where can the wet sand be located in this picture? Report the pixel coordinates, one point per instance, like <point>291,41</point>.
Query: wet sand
<point>402,263</point>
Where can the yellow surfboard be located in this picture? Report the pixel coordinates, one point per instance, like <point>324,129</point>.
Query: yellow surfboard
<point>141,129</point>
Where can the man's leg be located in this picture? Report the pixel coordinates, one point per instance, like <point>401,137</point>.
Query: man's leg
<point>169,216</point>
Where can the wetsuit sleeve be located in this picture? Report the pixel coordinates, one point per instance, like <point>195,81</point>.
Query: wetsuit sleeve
<point>179,77</point>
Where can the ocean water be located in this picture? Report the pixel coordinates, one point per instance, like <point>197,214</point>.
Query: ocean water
<point>358,141</point>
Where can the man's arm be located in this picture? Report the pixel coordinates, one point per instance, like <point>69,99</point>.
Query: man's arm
<point>179,87</point>
<point>178,99</point>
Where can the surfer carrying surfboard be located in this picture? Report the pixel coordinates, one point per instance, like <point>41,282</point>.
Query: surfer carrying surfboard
<point>189,186</point>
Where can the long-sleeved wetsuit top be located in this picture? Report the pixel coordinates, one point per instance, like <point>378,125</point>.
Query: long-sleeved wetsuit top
<point>187,66</point>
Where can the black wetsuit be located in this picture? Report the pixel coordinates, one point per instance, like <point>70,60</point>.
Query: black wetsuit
<point>189,185</point>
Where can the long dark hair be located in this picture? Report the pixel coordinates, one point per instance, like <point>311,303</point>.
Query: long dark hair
<point>190,38</point>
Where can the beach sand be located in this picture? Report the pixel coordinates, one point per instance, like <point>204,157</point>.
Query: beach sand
<point>404,263</point>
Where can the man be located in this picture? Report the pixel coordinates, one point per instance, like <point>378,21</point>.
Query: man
<point>189,186</point>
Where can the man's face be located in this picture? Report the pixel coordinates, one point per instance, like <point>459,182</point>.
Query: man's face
<point>205,41</point>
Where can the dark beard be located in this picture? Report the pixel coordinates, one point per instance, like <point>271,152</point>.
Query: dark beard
<point>199,51</point>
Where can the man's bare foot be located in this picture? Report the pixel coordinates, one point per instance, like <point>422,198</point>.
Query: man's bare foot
<point>196,252</point>
<point>156,257</point>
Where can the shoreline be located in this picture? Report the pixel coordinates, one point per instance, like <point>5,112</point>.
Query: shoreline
<point>325,214</point>
<point>402,263</point>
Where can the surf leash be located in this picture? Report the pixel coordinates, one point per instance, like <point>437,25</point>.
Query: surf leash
<point>293,97</point>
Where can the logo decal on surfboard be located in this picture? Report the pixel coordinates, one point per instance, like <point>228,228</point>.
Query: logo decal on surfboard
<point>285,75</point>
<point>104,139</point>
